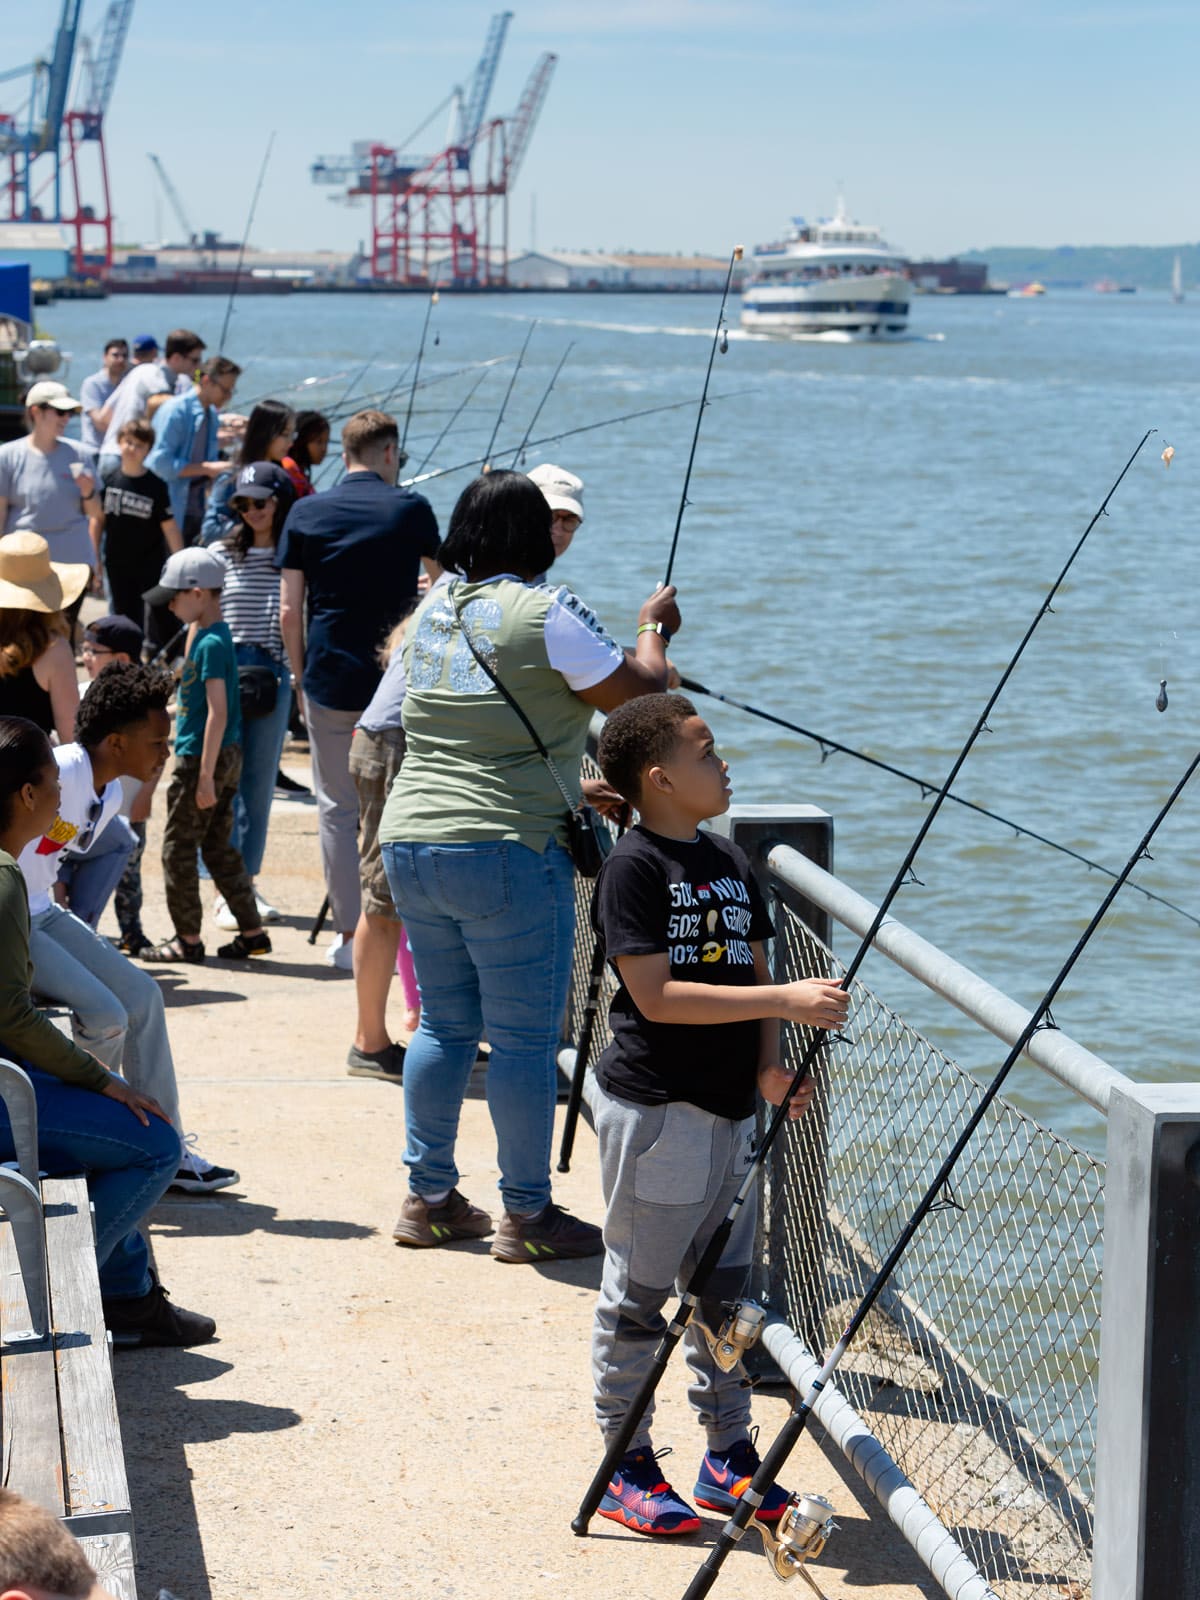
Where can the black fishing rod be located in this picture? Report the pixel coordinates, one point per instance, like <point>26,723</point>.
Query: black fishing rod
<point>719,337</point>
<point>715,1248</point>
<point>927,787</point>
<point>508,391</point>
<point>571,433</point>
<point>412,393</point>
<point>791,1543</point>
<point>237,271</point>
<point>583,1050</point>
<point>457,412</point>
<point>519,452</point>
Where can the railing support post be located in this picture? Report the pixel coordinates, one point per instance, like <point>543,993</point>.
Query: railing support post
<point>809,831</point>
<point>1147,1540</point>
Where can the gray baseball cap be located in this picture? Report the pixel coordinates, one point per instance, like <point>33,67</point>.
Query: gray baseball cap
<point>194,568</point>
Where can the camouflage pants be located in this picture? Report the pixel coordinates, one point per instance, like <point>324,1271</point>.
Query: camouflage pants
<point>190,829</point>
<point>127,901</point>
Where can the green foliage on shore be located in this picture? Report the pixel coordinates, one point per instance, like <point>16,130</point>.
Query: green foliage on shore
<point>1080,266</point>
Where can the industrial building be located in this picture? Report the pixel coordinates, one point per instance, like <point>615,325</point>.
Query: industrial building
<point>41,246</point>
<point>588,269</point>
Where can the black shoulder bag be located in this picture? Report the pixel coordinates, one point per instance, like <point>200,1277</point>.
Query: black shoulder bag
<point>588,840</point>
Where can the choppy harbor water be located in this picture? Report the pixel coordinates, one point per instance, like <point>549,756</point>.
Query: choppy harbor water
<point>872,529</point>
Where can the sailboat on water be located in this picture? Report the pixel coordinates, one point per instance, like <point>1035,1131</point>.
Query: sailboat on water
<point>1177,280</point>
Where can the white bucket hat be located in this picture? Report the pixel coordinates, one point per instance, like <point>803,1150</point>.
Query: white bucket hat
<point>562,489</point>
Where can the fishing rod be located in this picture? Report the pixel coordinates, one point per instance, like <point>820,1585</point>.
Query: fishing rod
<point>583,1049</point>
<point>927,787</point>
<point>709,1259</point>
<point>237,271</point>
<point>458,411</point>
<point>719,337</point>
<point>795,1539</point>
<point>508,392</point>
<point>380,397</point>
<point>571,433</point>
<point>412,393</point>
<point>354,383</point>
<point>519,452</point>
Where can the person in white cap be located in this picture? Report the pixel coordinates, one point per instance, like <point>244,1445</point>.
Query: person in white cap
<point>563,493</point>
<point>48,483</point>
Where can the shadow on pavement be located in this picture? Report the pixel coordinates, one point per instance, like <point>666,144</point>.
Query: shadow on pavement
<point>226,1217</point>
<point>159,1420</point>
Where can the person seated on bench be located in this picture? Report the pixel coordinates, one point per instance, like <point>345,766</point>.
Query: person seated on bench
<point>39,1560</point>
<point>122,727</point>
<point>89,1119</point>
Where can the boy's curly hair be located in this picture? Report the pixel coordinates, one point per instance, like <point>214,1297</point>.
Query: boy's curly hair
<point>638,735</point>
<point>120,697</point>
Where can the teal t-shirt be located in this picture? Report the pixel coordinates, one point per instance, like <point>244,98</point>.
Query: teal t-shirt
<point>211,656</point>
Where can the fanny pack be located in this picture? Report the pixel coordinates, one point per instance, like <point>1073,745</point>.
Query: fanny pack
<point>588,840</point>
<point>259,690</point>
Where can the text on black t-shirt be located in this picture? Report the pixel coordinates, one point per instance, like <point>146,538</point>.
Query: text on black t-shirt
<point>697,902</point>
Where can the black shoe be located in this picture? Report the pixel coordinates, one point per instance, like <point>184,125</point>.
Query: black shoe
<point>386,1064</point>
<point>553,1235</point>
<point>290,785</point>
<point>244,946</point>
<point>151,1319</point>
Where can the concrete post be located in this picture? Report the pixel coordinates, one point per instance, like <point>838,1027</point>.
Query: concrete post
<point>791,1277</point>
<point>1147,1536</point>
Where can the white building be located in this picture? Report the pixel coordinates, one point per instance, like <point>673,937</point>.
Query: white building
<point>42,244</point>
<point>566,269</point>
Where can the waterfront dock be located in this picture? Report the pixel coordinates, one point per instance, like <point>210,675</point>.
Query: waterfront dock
<point>385,1422</point>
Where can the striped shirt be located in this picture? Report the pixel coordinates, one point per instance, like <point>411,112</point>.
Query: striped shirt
<point>250,598</point>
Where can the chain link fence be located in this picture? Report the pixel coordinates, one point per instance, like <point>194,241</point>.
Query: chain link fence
<point>977,1369</point>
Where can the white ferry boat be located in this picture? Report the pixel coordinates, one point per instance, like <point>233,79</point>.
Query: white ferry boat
<point>835,277</point>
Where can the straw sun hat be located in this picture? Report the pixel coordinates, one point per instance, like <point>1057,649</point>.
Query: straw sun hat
<point>30,581</point>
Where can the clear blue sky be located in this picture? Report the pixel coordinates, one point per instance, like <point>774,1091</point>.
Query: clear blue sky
<point>677,124</point>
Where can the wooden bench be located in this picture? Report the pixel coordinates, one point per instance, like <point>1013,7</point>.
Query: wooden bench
<point>60,1438</point>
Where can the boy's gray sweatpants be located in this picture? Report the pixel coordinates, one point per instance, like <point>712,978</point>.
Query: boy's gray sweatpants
<point>669,1174</point>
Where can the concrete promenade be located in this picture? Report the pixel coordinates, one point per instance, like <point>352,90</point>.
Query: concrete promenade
<point>372,1421</point>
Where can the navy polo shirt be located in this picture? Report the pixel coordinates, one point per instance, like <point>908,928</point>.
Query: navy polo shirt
<point>359,547</point>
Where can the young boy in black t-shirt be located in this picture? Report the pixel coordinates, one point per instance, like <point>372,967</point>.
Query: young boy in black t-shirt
<point>695,1026</point>
<point>139,532</point>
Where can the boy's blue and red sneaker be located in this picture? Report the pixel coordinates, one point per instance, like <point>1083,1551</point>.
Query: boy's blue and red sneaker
<point>639,1497</point>
<point>725,1476</point>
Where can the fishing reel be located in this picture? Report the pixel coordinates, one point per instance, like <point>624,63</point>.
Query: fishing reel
<point>800,1535</point>
<point>740,1330</point>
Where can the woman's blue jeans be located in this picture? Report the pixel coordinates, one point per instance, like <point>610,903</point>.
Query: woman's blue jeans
<point>262,746</point>
<point>492,927</point>
<point>127,1167</point>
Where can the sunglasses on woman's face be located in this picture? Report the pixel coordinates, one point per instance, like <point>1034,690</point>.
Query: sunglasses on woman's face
<point>241,506</point>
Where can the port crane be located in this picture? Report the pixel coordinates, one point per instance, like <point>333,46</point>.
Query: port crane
<point>172,194</point>
<point>432,216</point>
<point>32,139</point>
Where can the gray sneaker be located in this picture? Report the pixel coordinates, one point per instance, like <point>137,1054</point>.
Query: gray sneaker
<point>423,1225</point>
<point>553,1235</point>
<point>386,1064</point>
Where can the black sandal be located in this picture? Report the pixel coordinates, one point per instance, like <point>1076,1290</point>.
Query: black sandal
<point>173,951</point>
<point>245,945</point>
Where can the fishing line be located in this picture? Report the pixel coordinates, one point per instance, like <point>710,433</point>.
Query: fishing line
<point>237,271</point>
<point>519,452</point>
<point>711,1255</point>
<point>571,433</point>
<point>412,393</point>
<point>830,747</point>
<point>786,1546</point>
<point>719,337</point>
<point>458,411</point>
<point>504,403</point>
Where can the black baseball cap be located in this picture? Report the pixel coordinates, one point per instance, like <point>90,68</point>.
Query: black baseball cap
<point>117,633</point>
<point>260,480</point>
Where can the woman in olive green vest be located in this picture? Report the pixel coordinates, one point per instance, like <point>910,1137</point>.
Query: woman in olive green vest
<point>473,839</point>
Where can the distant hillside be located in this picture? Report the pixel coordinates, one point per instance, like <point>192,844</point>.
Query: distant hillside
<point>1068,265</point>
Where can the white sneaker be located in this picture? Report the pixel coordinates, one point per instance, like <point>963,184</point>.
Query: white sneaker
<point>340,953</point>
<point>223,917</point>
<point>266,911</point>
<point>198,1176</point>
